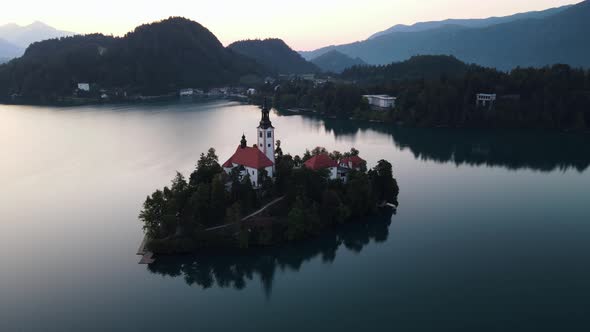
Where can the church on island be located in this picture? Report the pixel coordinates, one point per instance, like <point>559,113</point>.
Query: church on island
<point>252,160</point>
<point>261,156</point>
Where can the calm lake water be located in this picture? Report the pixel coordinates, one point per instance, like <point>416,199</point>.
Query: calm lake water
<point>492,232</point>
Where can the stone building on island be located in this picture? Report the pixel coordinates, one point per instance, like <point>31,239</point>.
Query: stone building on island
<point>252,160</point>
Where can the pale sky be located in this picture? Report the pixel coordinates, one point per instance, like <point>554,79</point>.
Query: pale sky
<point>303,24</point>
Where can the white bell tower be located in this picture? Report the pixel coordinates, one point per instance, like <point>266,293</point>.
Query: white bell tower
<point>266,134</point>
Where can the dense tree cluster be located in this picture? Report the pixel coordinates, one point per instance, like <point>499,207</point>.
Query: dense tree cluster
<point>180,217</point>
<point>329,98</point>
<point>180,213</point>
<point>441,91</point>
<point>275,54</point>
<point>417,67</point>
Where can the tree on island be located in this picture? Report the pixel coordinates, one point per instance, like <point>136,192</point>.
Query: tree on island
<point>384,185</point>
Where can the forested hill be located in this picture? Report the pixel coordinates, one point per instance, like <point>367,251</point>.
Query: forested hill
<point>154,59</point>
<point>336,62</point>
<point>417,67</point>
<point>558,38</point>
<point>274,54</point>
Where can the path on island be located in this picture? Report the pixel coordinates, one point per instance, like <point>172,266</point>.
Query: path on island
<point>252,215</point>
<point>147,256</point>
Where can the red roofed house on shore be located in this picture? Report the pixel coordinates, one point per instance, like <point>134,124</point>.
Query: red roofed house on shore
<point>323,161</point>
<point>253,159</point>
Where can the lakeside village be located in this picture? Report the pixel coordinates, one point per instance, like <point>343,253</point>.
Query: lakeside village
<point>372,107</point>
<point>87,92</point>
<point>262,197</point>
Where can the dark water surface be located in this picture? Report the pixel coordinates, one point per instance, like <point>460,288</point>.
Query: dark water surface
<point>492,233</point>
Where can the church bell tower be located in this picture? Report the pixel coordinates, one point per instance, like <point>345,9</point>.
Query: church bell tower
<point>266,134</point>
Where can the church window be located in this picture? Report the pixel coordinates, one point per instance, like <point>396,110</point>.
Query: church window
<point>260,135</point>
<point>269,134</point>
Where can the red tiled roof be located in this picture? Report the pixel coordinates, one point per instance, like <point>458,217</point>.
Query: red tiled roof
<point>355,160</point>
<point>249,157</point>
<point>320,161</point>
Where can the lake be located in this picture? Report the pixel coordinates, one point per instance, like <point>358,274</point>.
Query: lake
<point>492,232</point>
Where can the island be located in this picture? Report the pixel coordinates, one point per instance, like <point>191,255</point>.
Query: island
<point>262,197</point>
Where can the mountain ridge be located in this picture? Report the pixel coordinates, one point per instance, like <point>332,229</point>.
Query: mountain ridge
<point>8,50</point>
<point>470,23</point>
<point>559,38</point>
<point>25,35</point>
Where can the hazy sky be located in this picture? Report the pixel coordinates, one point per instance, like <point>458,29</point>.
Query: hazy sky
<point>303,24</point>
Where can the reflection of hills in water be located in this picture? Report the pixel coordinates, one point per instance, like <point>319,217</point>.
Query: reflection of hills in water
<point>543,151</point>
<point>236,269</point>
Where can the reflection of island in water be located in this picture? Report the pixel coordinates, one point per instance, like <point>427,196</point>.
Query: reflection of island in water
<point>237,268</point>
<point>536,150</point>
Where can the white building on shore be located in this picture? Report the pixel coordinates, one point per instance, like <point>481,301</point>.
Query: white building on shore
<point>485,99</point>
<point>186,92</point>
<point>380,102</point>
<point>84,87</point>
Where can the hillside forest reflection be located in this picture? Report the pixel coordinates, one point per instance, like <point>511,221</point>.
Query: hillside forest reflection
<point>544,151</point>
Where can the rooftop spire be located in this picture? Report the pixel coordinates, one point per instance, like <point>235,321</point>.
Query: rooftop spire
<point>243,142</point>
<point>265,121</point>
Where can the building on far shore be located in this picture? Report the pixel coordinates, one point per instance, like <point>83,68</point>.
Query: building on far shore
<point>380,102</point>
<point>186,92</point>
<point>485,100</point>
<point>84,87</point>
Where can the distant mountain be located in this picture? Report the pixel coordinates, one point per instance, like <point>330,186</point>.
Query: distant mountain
<point>336,62</point>
<point>559,38</point>
<point>274,54</point>
<point>153,59</point>
<point>23,36</point>
<point>417,67</point>
<point>9,50</point>
<point>470,23</point>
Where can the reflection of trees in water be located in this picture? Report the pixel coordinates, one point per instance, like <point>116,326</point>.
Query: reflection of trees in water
<point>543,151</point>
<point>237,268</point>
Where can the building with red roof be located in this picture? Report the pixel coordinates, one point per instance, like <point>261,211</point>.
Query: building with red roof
<point>353,162</point>
<point>251,160</point>
<point>323,161</point>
